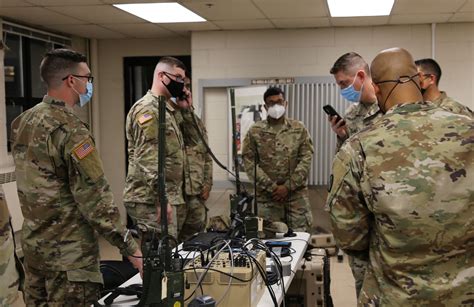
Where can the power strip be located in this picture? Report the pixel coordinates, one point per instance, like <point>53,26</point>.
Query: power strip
<point>215,284</point>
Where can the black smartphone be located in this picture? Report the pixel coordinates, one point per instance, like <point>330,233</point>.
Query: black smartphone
<point>331,112</point>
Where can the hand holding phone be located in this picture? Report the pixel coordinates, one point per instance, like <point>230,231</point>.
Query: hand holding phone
<point>331,112</point>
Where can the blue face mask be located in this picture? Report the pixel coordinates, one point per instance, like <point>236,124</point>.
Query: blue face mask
<point>85,98</point>
<point>350,93</point>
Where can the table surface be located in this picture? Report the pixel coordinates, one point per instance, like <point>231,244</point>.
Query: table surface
<point>298,243</point>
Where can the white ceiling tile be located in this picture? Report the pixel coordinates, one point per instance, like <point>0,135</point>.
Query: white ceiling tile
<point>426,6</point>
<point>358,21</point>
<point>462,17</point>
<point>139,30</point>
<point>468,6</point>
<point>419,18</point>
<point>38,16</point>
<point>13,3</point>
<point>190,26</point>
<point>98,14</point>
<point>63,2</point>
<point>290,23</point>
<point>293,8</point>
<point>225,10</point>
<point>89,31</point>
<point>244,24</point>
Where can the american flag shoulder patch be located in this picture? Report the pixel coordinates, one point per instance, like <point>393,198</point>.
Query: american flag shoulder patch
<point>144,118</point>
<point>84,149</point>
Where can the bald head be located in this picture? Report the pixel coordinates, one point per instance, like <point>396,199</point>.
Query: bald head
<point>395,78</point>
<point>391,64</point>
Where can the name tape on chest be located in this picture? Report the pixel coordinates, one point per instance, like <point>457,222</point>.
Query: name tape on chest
<point>84,149</point>
<point>144,118</point>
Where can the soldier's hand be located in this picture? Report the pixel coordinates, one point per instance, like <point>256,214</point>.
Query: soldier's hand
<point>186,101</point>
<point>205,193</point>
<point>137,261</point>
<point>169,213</point>
<point>339,127</point>
<point>280,193</point>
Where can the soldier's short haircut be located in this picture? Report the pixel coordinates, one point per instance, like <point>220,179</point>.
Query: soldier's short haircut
<point>59,63</point>
<point>272,91</point>
<point>348,63</point>
<point>430,66</point>
<point>171,61</point>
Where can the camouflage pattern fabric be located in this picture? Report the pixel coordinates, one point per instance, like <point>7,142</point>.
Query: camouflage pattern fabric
<point>284,153</point>
<point>195,218</point>
<point>64,195</point>
<point>358,116</point>
<point>9,276</point>
<point>198,172</point>
<point>452,105</point>
<point>147,214</point>
<point>79,287</point>
<point>141,183</point>
<point>403,192</point>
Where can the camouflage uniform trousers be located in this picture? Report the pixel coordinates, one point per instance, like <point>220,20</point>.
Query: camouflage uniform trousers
<point>358,267</point>
<point>58,288</point>
<point>146,214</point>
<point>300,216</point>
<point>196,217</point>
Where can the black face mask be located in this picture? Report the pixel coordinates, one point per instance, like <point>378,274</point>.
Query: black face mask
<point>174,87</point>
<point>400,80</point>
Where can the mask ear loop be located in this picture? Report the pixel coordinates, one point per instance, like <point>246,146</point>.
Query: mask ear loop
<point>398,81</point>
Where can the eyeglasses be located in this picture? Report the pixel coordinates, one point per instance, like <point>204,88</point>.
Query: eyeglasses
<point>89,78</point>
<point>274,102</point>
<point>177,78</point>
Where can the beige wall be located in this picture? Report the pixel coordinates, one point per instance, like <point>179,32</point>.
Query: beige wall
<point>111,99</point>
<point>311,52</point>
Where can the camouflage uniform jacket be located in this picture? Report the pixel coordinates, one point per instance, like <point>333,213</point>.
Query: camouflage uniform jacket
<point>64,195</point>
<point>358,116</point>
<point>10,278</point>
<point>452,105</point>
<point>403,190</point>
<point>142,137</point>
<point>284,153</point>
<point>198,170</point>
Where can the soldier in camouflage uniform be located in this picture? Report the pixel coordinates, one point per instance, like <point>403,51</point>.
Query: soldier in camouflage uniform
<point>431,75</point>
<point>351,71</point>
<point>9,274</point>
<point>403,192</point>
<point>64,195</point>
<point>141,194</point>
<point>198,168</point>
<point>283,150</point>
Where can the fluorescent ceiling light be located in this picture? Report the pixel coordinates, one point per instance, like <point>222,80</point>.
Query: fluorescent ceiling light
<point>161,12</point>
<point>357,8</point>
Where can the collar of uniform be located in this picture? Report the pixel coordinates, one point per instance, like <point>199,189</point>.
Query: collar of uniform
<point>169,103</point>
<point>441,97</point>
<point>285,123</point>
<point>56,102</point>
<point>408,107</point>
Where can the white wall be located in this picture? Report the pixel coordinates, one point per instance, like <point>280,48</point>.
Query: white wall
<point>311,52</point>
<point>111,98</point>
<point>455,55</point>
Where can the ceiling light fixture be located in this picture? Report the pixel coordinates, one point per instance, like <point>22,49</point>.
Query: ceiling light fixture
<point>352,8</point>
<point>170,12</point>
